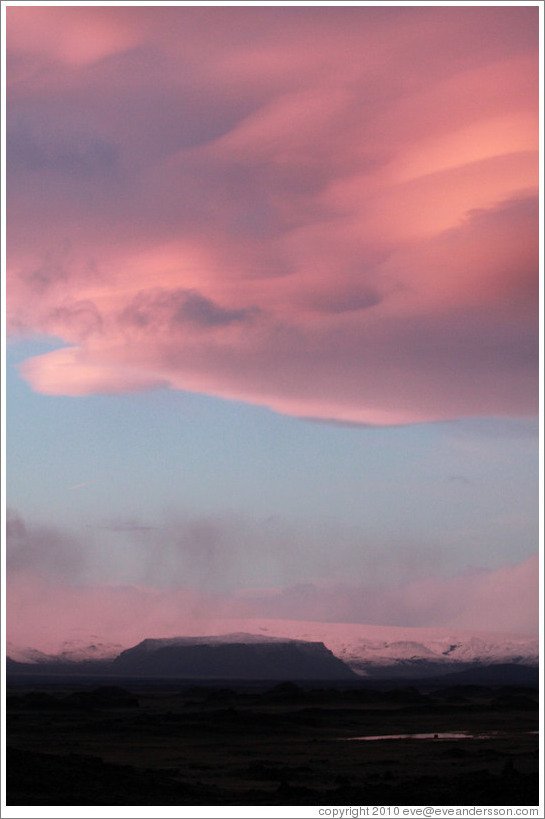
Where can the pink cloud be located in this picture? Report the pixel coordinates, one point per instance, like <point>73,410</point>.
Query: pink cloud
<point>334,217</point>
<point>77,40</point>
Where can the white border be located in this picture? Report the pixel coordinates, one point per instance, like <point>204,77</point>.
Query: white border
<point>249,812</point>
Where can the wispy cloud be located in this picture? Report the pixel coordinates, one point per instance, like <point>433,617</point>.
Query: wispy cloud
<point>84,483</point>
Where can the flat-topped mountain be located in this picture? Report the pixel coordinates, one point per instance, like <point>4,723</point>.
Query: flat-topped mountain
<point>237,656</point>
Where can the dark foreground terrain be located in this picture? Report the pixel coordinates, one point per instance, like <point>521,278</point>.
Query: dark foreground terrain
<point>142,743</point>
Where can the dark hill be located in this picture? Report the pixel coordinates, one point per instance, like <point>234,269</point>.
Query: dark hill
<point>256,660</point>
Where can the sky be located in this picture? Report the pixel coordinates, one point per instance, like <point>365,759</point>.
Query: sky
<point>272,317</point>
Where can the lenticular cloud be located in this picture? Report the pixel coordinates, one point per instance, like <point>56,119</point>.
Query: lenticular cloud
<point>332,221</point>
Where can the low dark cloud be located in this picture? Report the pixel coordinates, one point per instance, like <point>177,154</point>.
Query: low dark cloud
<point>215,553</point>
<point>44,551</point>
<point>159,308</point>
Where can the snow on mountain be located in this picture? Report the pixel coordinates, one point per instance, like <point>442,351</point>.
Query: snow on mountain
<point>153,643</point>
<point>366,649</point>
<point>76,651</point>
<point>26,655</point>
<point>69,651</point>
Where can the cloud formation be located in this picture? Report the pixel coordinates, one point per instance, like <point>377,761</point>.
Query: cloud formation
<point>331,212</point>
<point>42,551</point>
